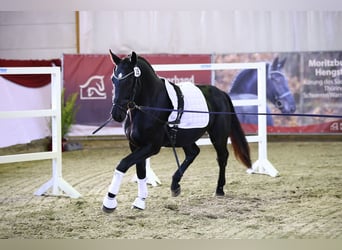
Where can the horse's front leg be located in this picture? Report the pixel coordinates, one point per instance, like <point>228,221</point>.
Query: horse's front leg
<point>139,202</point>
<point>109,202</point>
<point>137,157</point>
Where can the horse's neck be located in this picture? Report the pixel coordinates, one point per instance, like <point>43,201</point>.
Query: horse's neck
<point>245,82</point>
<point>153,87</point>
<point>153,92</point>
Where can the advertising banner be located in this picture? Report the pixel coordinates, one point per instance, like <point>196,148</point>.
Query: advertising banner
<point>90,77</point>
<point>302,88</point>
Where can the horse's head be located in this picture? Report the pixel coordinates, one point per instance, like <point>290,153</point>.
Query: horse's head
<point>278,91</point>
<point>125,79</point>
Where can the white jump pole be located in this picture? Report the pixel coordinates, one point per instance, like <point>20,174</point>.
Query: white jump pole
<point>57,184</point>
<point>262,164</point>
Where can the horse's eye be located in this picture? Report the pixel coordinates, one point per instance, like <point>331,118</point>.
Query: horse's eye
<point>279,104</point>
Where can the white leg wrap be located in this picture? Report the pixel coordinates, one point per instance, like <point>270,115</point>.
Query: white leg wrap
<point>116,182</point>
<point>109,203</point>
<point>139,202</point>
<point>142,188</point>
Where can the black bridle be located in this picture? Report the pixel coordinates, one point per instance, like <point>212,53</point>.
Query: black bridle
<point>278,100</point>
<point>131,104</point>
<point>136,72</point>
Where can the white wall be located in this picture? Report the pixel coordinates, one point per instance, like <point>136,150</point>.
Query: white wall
<point>37,35</point>
<point>210,31</point>
<point>49,34</point>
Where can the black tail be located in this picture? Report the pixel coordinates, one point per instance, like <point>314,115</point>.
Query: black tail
<point>239,141</point>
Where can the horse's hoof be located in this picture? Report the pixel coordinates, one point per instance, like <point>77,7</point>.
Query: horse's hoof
<point>109,204</point>
<point>219,192</point>
<point>137,208</point>
<point>219,195</point>
<point>139,203</point>
<point>175,192</point>
<point>107,210</point>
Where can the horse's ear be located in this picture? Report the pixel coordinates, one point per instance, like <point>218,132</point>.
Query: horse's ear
<point>278,64</point>
<point>274,65</point>
<point>114,58</point>
<point>134,58</point>
<point>281,63</point>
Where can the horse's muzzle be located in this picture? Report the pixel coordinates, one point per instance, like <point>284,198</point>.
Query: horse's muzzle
<point>286,103</point>
<point>118,113</point>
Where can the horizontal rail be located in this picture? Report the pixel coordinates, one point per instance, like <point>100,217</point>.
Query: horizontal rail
<point>206,141</point>
<point>28,70</point>
<point>27,157</point>
<point>205,66</point>
<point>27,113</point>
<point>246,102</point>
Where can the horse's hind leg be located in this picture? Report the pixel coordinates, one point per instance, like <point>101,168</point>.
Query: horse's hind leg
<point>191,152</point>
<point>220,145</point>
<point>222,157</point>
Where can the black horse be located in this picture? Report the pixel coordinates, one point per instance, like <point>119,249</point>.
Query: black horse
<point>245,86</point>
<point>141,99</point>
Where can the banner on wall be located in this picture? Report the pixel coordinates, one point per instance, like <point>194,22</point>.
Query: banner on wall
<point>90,77</point>
<point>297,83</point>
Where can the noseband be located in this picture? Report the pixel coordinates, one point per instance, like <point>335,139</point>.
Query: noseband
<point>278,102</point>
<point>136,71</point>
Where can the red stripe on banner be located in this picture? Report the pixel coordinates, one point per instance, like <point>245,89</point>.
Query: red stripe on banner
<point>29,80</point>
<point>327,127</point>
